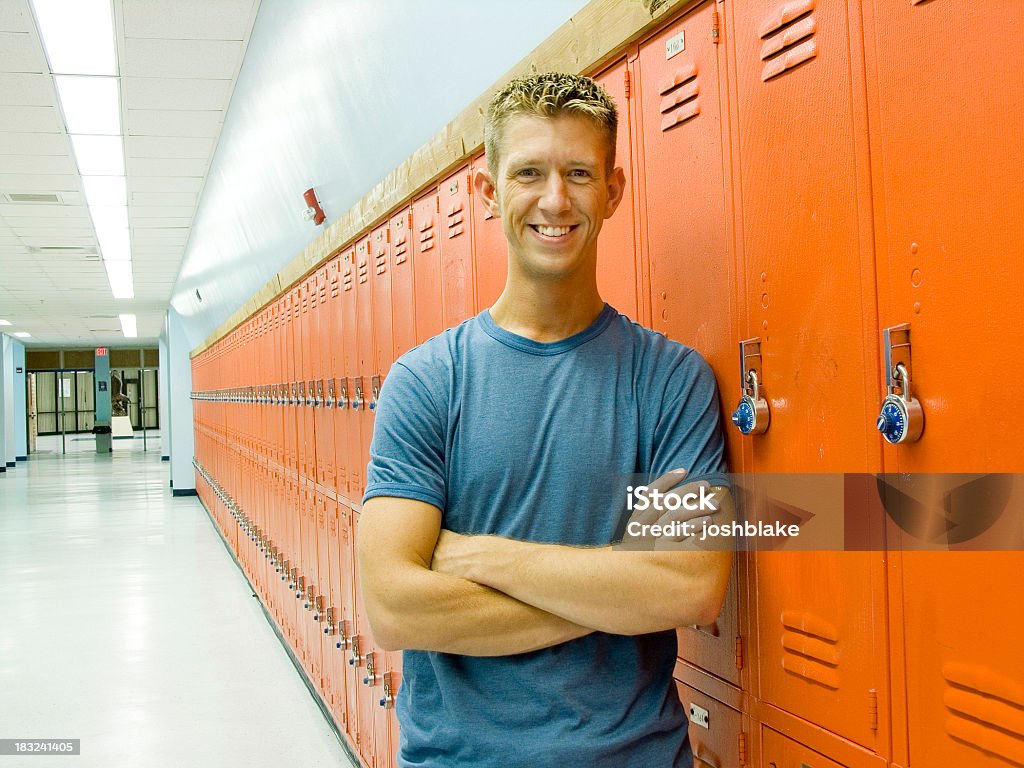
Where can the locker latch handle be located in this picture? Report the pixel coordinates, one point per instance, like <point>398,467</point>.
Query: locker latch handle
<point>752,415</point>
<point>388,700</point>
<point>375,387</point>
<point>358,402</point>
<point>329,402</point>
<point>311,394</point>
<point>372,677</point>
<point>343,394</point>
<point>901,419</point>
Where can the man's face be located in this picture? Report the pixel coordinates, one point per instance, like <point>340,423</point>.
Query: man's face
<point>552,191</point>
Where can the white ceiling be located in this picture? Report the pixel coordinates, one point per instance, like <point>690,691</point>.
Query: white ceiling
<point>178,60</point>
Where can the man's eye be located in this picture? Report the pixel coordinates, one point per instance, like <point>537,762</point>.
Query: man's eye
<point>526,172</point>
<point>579,173</point>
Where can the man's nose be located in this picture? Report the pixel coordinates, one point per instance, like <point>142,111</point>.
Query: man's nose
<point>555,199</point>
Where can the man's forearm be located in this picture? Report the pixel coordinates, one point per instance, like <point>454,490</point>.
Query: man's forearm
<point>609,590</point>
<point>440,612</point>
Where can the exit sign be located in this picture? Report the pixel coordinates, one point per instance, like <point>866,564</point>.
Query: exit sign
<point>101,352</point>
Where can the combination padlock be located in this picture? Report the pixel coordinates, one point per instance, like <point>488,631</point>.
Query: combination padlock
<point>752,416</point>
<point>902,418</point>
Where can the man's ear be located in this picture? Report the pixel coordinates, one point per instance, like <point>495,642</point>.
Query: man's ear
<point>484,186</point>
<point>616,189</point>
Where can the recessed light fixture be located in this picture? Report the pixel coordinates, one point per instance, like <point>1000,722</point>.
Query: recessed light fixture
<point>99,155</point>
<point>22,335</point>
<point>91,104</point>
<point>128,326</point>
<point>5,322</point>
<point>78,36</point>
<point>119,273</point>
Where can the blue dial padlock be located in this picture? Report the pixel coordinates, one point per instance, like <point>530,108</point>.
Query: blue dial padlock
<point>902,418</point>
<point>751,416</point>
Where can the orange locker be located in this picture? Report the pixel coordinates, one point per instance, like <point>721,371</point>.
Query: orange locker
<point>304,413</point>
<point>346,620</point>
<point>718,736</point>
<point>365,338</point>
<point>457,293</point>
<point>332,657</point>
<point>490,248</point>
<point>948,196</point>
<point>809,296</point>
<point>380,292</point>
<point>427,266</point>
<point>288,346</point>
<point>360,650</point>
<point>345,425</point>
<point>324,402</point>
<point>403,300</point>
<point>779,751</point>
<point>679,84</point>
<point>617,268</point>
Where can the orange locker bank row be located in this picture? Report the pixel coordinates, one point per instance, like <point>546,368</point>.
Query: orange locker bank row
<point>825,199</point>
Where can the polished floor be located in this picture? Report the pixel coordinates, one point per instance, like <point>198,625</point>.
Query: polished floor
<point>125,623</point>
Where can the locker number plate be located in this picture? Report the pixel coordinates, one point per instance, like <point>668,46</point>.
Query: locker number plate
<point>675,44</point>
<point>699,716</point>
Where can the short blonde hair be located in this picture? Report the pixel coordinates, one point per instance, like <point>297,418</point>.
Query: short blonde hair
<point>550,94</point>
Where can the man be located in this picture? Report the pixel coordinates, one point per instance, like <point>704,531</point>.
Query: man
<point>539,644</point>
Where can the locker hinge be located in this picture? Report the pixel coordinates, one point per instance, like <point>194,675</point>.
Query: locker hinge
<point>873,709</point>
<point>739,652</point>
<point>716,27</point>
<point>626,82</point>
<point>437,202</point>
<point>742,749</point>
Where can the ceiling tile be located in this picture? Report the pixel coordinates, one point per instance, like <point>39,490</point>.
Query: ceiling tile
<point>165,183</point>
<point>13,212</point>
<point>146,212</point>
<point>31,119</point>
<point>34,144</point>
<point>15,16</point>
<point>188,19</point>
<point>162,198</point>
<point>41,164</point>
<point>19,52</point>
<point>175,93</point>
<point>215,59</point>
<point>26,89</point>
<point>26,182</point>
<point>153,166</point>
<point>167,221</point>
<point>168,122</point>
<point>166,146</point>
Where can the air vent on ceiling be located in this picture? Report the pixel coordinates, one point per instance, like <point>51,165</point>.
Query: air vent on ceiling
<point>89,251</point>
<point>46,198</point>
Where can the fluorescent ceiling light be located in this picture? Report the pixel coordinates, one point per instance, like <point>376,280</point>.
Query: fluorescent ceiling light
<point>99,155</point>
<point>119,273</point>
<point>5,322</point>
<point>114,244</point>
<point>109,217</point>
<point>23,335</point>
<point>128,327</point>
<point>78,36</point>
<point>91,104</point>
<point>105,190</point>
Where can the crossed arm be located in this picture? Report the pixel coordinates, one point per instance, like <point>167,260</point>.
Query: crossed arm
<point>431,589</point>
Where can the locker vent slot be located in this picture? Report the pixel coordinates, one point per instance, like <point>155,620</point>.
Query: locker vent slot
<point>401,248</point>
<point>986,710</point>
<point>788,39</point>
<point>427,234</point>
<point>810,649</point>
<point>679,102</point>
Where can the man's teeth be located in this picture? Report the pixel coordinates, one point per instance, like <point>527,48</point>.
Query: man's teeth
<point>552,231</point>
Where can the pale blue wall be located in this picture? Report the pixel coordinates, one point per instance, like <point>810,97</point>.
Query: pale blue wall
<point>20,403</point>
<point>334,94</point>
<point>179,403</point>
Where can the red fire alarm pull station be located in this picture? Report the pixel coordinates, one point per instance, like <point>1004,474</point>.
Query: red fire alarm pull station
<point>313,209</point>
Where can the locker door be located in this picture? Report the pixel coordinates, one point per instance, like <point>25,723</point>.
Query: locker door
<point>805,235</point>
<point>306,385</point>
<point>457,294</point>
<point>327,341</point>
<point>288,371</point>
<point>346,427</point>
<point>949,196</point>
<point>617,267</point>
<point>427,266</point>
<point>360,650</point>
<point>361,384</point>
<point>490,249</point>
<point>380,291</point>
<point>333,656</point>
<point>716,730</point>
<point>346,626</point>
<point>692,267</point>
<point>403,315</point>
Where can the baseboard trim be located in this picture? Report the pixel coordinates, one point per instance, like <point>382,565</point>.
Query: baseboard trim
<point>21,458</point>
<point>165,458</point>
<point>184,492</point>
<point>12,464</point>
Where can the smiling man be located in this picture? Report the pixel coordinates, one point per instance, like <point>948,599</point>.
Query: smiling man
<point>493,497</point>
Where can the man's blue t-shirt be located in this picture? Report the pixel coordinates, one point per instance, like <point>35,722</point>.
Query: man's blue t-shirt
<point>527,440</point>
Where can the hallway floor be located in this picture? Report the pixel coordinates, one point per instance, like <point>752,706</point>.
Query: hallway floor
<point>125,623</point>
